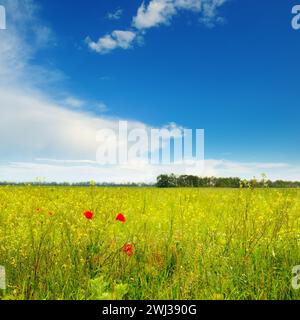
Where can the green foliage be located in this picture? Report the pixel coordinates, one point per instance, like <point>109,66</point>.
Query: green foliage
<point>189,181</point>
<point>100,290</point>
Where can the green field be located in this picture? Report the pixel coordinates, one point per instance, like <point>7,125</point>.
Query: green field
<point>185,243</point>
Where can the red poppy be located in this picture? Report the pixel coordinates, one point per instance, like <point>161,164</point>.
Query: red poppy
<point>121,217</point>
<point>89,215</point>
<point>128,249</point>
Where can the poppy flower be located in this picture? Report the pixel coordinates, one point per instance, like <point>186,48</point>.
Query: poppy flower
<point>121,217</point>
<point>38,210</point>
<point>89,215</point>
<point>128,249</point>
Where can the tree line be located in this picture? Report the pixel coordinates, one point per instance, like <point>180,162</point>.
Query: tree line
<point>190,181</point>
<point>174,181</point>
<point>75,184</point>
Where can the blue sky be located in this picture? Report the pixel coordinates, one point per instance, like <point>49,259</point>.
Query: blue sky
<point>230,67</point>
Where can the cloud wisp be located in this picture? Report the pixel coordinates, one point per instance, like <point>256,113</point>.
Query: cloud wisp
<point>116,15</point>
<point>117,39</point>
<point>156,13</point>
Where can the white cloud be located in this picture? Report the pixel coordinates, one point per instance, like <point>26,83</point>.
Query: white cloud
<point>66,161</point>
<point>117,39</point>
<point>194,5</point>
<point>225,168</point>
<point>86,170</point>
<point>74,102</point>
<point>156,13</point>
<point>209,16</point>
<point>24,36</point>
<point>32,126</point>
<point>115,15</point>
<point>162,11</point>
<point>102,107</point>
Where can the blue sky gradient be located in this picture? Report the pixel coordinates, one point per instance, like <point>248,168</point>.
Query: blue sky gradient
<point>238,80</point>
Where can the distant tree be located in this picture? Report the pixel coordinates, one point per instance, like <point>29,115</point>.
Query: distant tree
<point>163,181</point>
<point>184,181</point>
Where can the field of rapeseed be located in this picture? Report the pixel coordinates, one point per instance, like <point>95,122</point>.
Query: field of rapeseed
<point>135,243</point>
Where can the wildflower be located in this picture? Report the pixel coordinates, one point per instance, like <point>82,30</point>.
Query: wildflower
<point>38,210</point>
<point>128,249</point>
<point>121,217</point>
<point>89,215</point>
<point>113,244</point>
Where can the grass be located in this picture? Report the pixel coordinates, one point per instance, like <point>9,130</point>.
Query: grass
<point>188,243</point>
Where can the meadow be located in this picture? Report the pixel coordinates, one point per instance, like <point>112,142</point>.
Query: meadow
<point>148,243</point>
